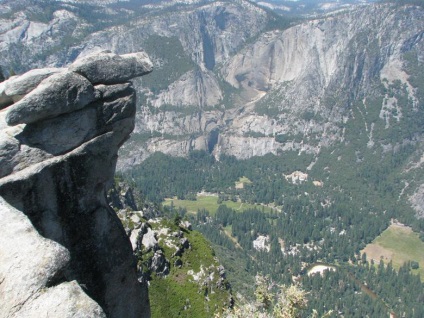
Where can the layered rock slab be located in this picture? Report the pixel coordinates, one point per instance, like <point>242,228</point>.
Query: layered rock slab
<point>55,166</point>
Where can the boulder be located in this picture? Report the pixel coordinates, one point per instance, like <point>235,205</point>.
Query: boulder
<point>186,224</point>
<point>109,68</point>
<point>9,149</point>
<point>185,244</point>
<point>178,234</point>
<point>149,241</point>
<point>178,263</point>
<point>61,93</point>
<point>16,87</point>
<point>159,264</point>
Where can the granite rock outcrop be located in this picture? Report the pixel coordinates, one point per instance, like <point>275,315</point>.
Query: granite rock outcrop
<point>64,251</point>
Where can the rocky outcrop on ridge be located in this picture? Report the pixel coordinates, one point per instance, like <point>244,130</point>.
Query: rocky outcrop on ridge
<point>63,250</point>
<point>173,256</point>
<point>170,256</point>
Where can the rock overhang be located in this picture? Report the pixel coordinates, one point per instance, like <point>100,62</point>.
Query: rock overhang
<point>60,130</point>
<point>57,110</point>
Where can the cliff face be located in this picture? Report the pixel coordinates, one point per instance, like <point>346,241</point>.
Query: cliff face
<point>187,45</point>
<point>299,83</point>
<point>219,70</point>
<point>232,78</point>
<point>64,251</point>
<point>305,80</point>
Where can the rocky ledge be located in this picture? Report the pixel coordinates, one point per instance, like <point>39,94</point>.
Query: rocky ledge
<point>63,250</point>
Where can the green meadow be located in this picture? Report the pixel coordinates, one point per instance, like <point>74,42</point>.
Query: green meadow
<point>398,244</point>
<point>210,203</point>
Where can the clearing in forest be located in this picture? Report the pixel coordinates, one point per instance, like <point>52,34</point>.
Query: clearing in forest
<point>241,182</point>
<point>399,244</point>
<point>210,203</point>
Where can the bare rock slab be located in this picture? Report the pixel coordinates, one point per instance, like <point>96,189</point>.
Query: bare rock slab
<point>109,68</point>
<point>58,94</point>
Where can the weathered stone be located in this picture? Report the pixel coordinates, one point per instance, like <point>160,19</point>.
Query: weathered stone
<point>136,217</point>
<point>30,268</point>
<point>4,100</point>
<point>178,263</point>
<point>177,234</point>
<point>187,225</point>
<point>121,196</point>
<point>24,146</point>
<point>54,172</point>
<point>221,271</point>
<point>16,87</point>
<point>58,94</point>
<point>135,238</point>
<point>118,109</point>
<point>184,243</point>
<point>149,240</point>
<point>109,68</point>
<point>9,148</point>
<point>112,91</point>
<point>64,198</point>
<point>64,133</point>
<point>65,300</point>
<point>159,264</point>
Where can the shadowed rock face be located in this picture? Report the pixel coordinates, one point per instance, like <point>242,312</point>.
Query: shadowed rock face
<point>58,149</point>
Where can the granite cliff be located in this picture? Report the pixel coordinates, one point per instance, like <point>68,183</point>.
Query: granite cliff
<point>64,251</point>
<point>234,78</point>
<point>231,76</point>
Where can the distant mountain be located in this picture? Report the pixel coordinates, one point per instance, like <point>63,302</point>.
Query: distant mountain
<point>309,7</point>
<point>233,78</point>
